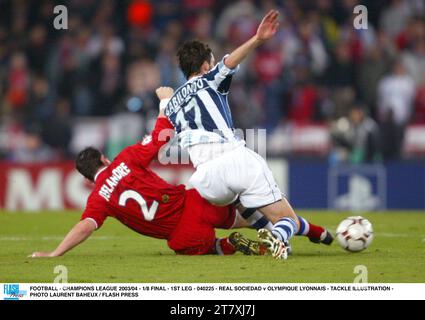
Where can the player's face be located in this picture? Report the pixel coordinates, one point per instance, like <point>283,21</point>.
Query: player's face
<point>208,65</point>
<point>105,160</point>
<point>212,62</point>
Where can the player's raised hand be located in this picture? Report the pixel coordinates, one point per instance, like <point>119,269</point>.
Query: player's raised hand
<point>164,93</point>
<point>268,26</point>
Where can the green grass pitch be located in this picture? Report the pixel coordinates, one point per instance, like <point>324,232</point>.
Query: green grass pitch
<point>116,254</point>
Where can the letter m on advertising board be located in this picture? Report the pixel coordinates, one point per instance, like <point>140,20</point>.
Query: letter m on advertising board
<point>41,187</point>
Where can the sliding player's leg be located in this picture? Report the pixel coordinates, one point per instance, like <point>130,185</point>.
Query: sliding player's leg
<point>253,218</point>
<point>284,219</point>
<point>250,218</point>
<point>314,233</point>
<point>199,239</point>
<point>263,193</point>
<point>195,233</point>
<point>243,172</point>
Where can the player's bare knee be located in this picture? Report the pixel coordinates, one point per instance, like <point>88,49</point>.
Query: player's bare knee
<point>278,210</point>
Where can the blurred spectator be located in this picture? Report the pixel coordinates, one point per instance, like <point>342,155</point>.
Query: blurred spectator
<point>392,136</point>
<point>339,78</point>
<point>370,71</point>
<point>108,84</point>
<point>203,24</point>
<point>306,47</point>
<point>420,106</point>
<point>41,100</point>
<point>356,139</point>
<point>143,77</point>
<point>395,16</point>
<point>115,53</point>
<point>32,149</point>
<point>396,92</point>
<point>167,62</point>
<point>18,82</point>
<point>37,49</point>
<point>237,22</point>
<point>167,11</point>
<point>411,34</point>
<point>56,128</point>
<point>106,41</point>
<point>414,62</point>
<point>304,105</point>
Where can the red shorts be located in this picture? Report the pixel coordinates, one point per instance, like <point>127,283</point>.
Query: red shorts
<point>195,234</point>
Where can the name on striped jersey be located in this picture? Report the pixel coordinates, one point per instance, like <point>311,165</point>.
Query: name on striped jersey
<point>180,96</point>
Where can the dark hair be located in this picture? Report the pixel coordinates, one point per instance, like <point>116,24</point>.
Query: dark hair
<point>192,54</point>
<point>358,105</point>
<point>88,162</point>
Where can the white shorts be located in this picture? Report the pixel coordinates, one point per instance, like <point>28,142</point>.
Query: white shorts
<point>237,173</point>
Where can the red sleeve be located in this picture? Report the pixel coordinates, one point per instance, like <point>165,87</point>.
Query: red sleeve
<point>145,151</point>
<point>95,211</point>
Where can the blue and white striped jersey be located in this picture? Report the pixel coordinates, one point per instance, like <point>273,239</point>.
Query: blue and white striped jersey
<point>199,109</point>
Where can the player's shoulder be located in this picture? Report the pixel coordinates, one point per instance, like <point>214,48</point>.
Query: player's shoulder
<point>178,90</point>
<point>127,154</point>
<point>95,200</point>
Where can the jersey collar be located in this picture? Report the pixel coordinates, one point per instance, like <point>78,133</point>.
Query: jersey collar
<point>99,172</point>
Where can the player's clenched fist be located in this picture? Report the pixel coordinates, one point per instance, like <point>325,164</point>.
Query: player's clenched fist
<point>164,93</point>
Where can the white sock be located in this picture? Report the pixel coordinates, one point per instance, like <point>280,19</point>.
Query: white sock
<point>285,229</point>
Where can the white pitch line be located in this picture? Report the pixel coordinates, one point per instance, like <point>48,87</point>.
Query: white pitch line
<point>397,235</point>
<point>61,238</point>
<point>50,238</point>
<point>394,235</point>
<point>13,239</point>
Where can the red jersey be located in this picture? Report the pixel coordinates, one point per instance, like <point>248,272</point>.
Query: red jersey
<point>132,193</point>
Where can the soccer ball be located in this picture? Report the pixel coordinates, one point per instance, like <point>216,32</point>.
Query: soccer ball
<point>355,234</point>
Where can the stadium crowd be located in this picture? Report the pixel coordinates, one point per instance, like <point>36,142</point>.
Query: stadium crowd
<point>367,84</point>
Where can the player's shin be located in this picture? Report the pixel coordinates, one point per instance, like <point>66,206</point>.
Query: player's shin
<point>258,221</point>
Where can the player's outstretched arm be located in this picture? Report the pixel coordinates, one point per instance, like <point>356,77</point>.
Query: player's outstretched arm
<point>265,31</point>
<point>164,95</point>
<point>78,234</point>
<point>163,131</point>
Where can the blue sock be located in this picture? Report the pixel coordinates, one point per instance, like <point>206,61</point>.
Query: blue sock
<point>304,227</point>
<point>256,219</point>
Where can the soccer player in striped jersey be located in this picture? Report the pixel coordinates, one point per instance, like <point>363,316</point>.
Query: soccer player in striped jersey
<point>127,190</point>
<point>226,169</point>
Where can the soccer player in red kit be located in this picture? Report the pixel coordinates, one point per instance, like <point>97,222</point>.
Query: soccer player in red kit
<point>129,191</point>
